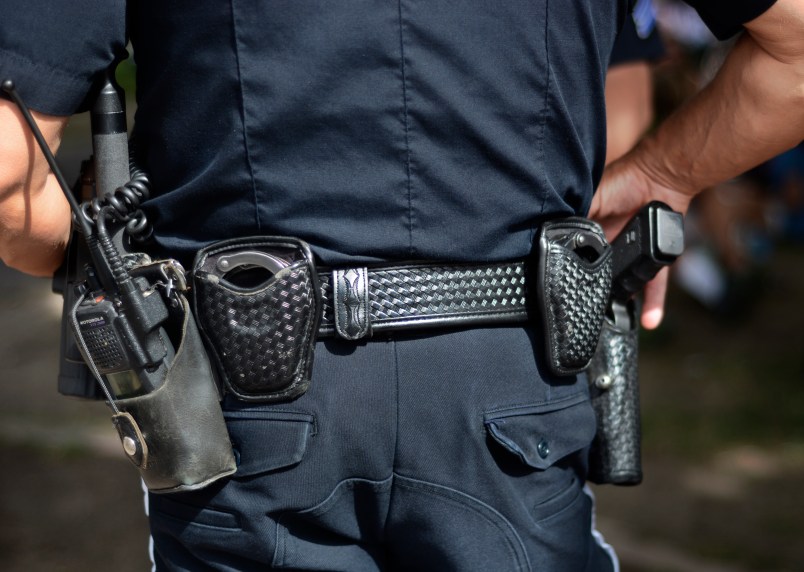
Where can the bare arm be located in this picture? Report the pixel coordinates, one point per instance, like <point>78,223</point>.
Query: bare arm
<point>629,107</point>
<point>750,112</point>
<point>34,215</point>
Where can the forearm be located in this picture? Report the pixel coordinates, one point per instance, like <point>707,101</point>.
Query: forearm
<point>34,214</point>
<point>35,228</point>
<point>752,111</point>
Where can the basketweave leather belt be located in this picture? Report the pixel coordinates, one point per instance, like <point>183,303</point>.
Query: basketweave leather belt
<point>261,328</point>
<point>361,301</point>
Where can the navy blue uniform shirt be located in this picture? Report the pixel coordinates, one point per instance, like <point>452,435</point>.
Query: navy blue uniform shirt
<point>374,130</point>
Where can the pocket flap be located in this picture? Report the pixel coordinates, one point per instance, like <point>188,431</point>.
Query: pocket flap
<point>268,440</point>
<point>540,435</point>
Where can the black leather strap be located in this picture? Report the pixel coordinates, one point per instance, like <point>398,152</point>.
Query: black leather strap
<point>351,303</point>
<point>360,301</point>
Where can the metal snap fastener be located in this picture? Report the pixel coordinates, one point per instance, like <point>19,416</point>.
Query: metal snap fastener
<point>604,382</point>
<point>543,449</point>
<point>130,446</point>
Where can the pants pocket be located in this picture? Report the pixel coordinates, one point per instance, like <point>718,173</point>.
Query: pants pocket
<point>175,513</point>
<point>550,439</point>
<point>268,440</point>
<point>545,447</point>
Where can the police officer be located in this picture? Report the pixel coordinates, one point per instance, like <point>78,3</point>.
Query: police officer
<point>382,133</point>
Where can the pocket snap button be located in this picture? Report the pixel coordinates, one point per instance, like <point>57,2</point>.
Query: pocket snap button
<point>543,449</point>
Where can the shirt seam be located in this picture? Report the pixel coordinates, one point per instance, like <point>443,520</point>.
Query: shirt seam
<point>411,249</point>
<point>246,140</point>
<point>544,113</point>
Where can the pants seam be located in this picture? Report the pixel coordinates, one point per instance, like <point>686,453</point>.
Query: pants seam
<point>396,390</point>
<point>456,497</point>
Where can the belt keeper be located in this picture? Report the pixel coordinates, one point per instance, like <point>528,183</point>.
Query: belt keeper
<point>351,299</point>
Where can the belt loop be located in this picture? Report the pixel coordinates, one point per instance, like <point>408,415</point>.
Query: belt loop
<point>351,298</point>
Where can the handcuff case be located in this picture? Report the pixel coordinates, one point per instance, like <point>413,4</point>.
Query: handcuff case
<point>258,305</point>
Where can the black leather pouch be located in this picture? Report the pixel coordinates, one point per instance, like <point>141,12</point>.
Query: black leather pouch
<point>176,434</point>
<point>575,267</point>
<point>258,304</point>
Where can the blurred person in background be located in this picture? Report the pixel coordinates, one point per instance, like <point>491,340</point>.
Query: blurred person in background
<point>629,82</point>
<point>785,177</point>
<point>381,134</point>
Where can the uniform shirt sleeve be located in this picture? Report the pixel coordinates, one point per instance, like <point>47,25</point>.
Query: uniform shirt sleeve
<point>726,17</point>
<point>54,51</point>
<point>639,38</point>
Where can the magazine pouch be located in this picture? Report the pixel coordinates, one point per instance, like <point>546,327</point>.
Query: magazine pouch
<point>575,267</point>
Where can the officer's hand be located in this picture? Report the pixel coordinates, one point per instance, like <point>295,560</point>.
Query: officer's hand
<point>623,190</point>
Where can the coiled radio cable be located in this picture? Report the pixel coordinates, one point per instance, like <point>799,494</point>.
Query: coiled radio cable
<point>123,205</point>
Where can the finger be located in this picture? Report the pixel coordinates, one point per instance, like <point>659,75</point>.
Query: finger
<point>594,208</point>
<point>653,304</point>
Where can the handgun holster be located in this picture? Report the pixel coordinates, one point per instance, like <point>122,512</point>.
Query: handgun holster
<point>615,455</point>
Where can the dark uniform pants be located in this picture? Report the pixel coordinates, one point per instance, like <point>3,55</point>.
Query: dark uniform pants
<point>444,452</point>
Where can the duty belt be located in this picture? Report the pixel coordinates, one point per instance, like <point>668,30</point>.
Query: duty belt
<point>361,301</point>
<point>262,302</point>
